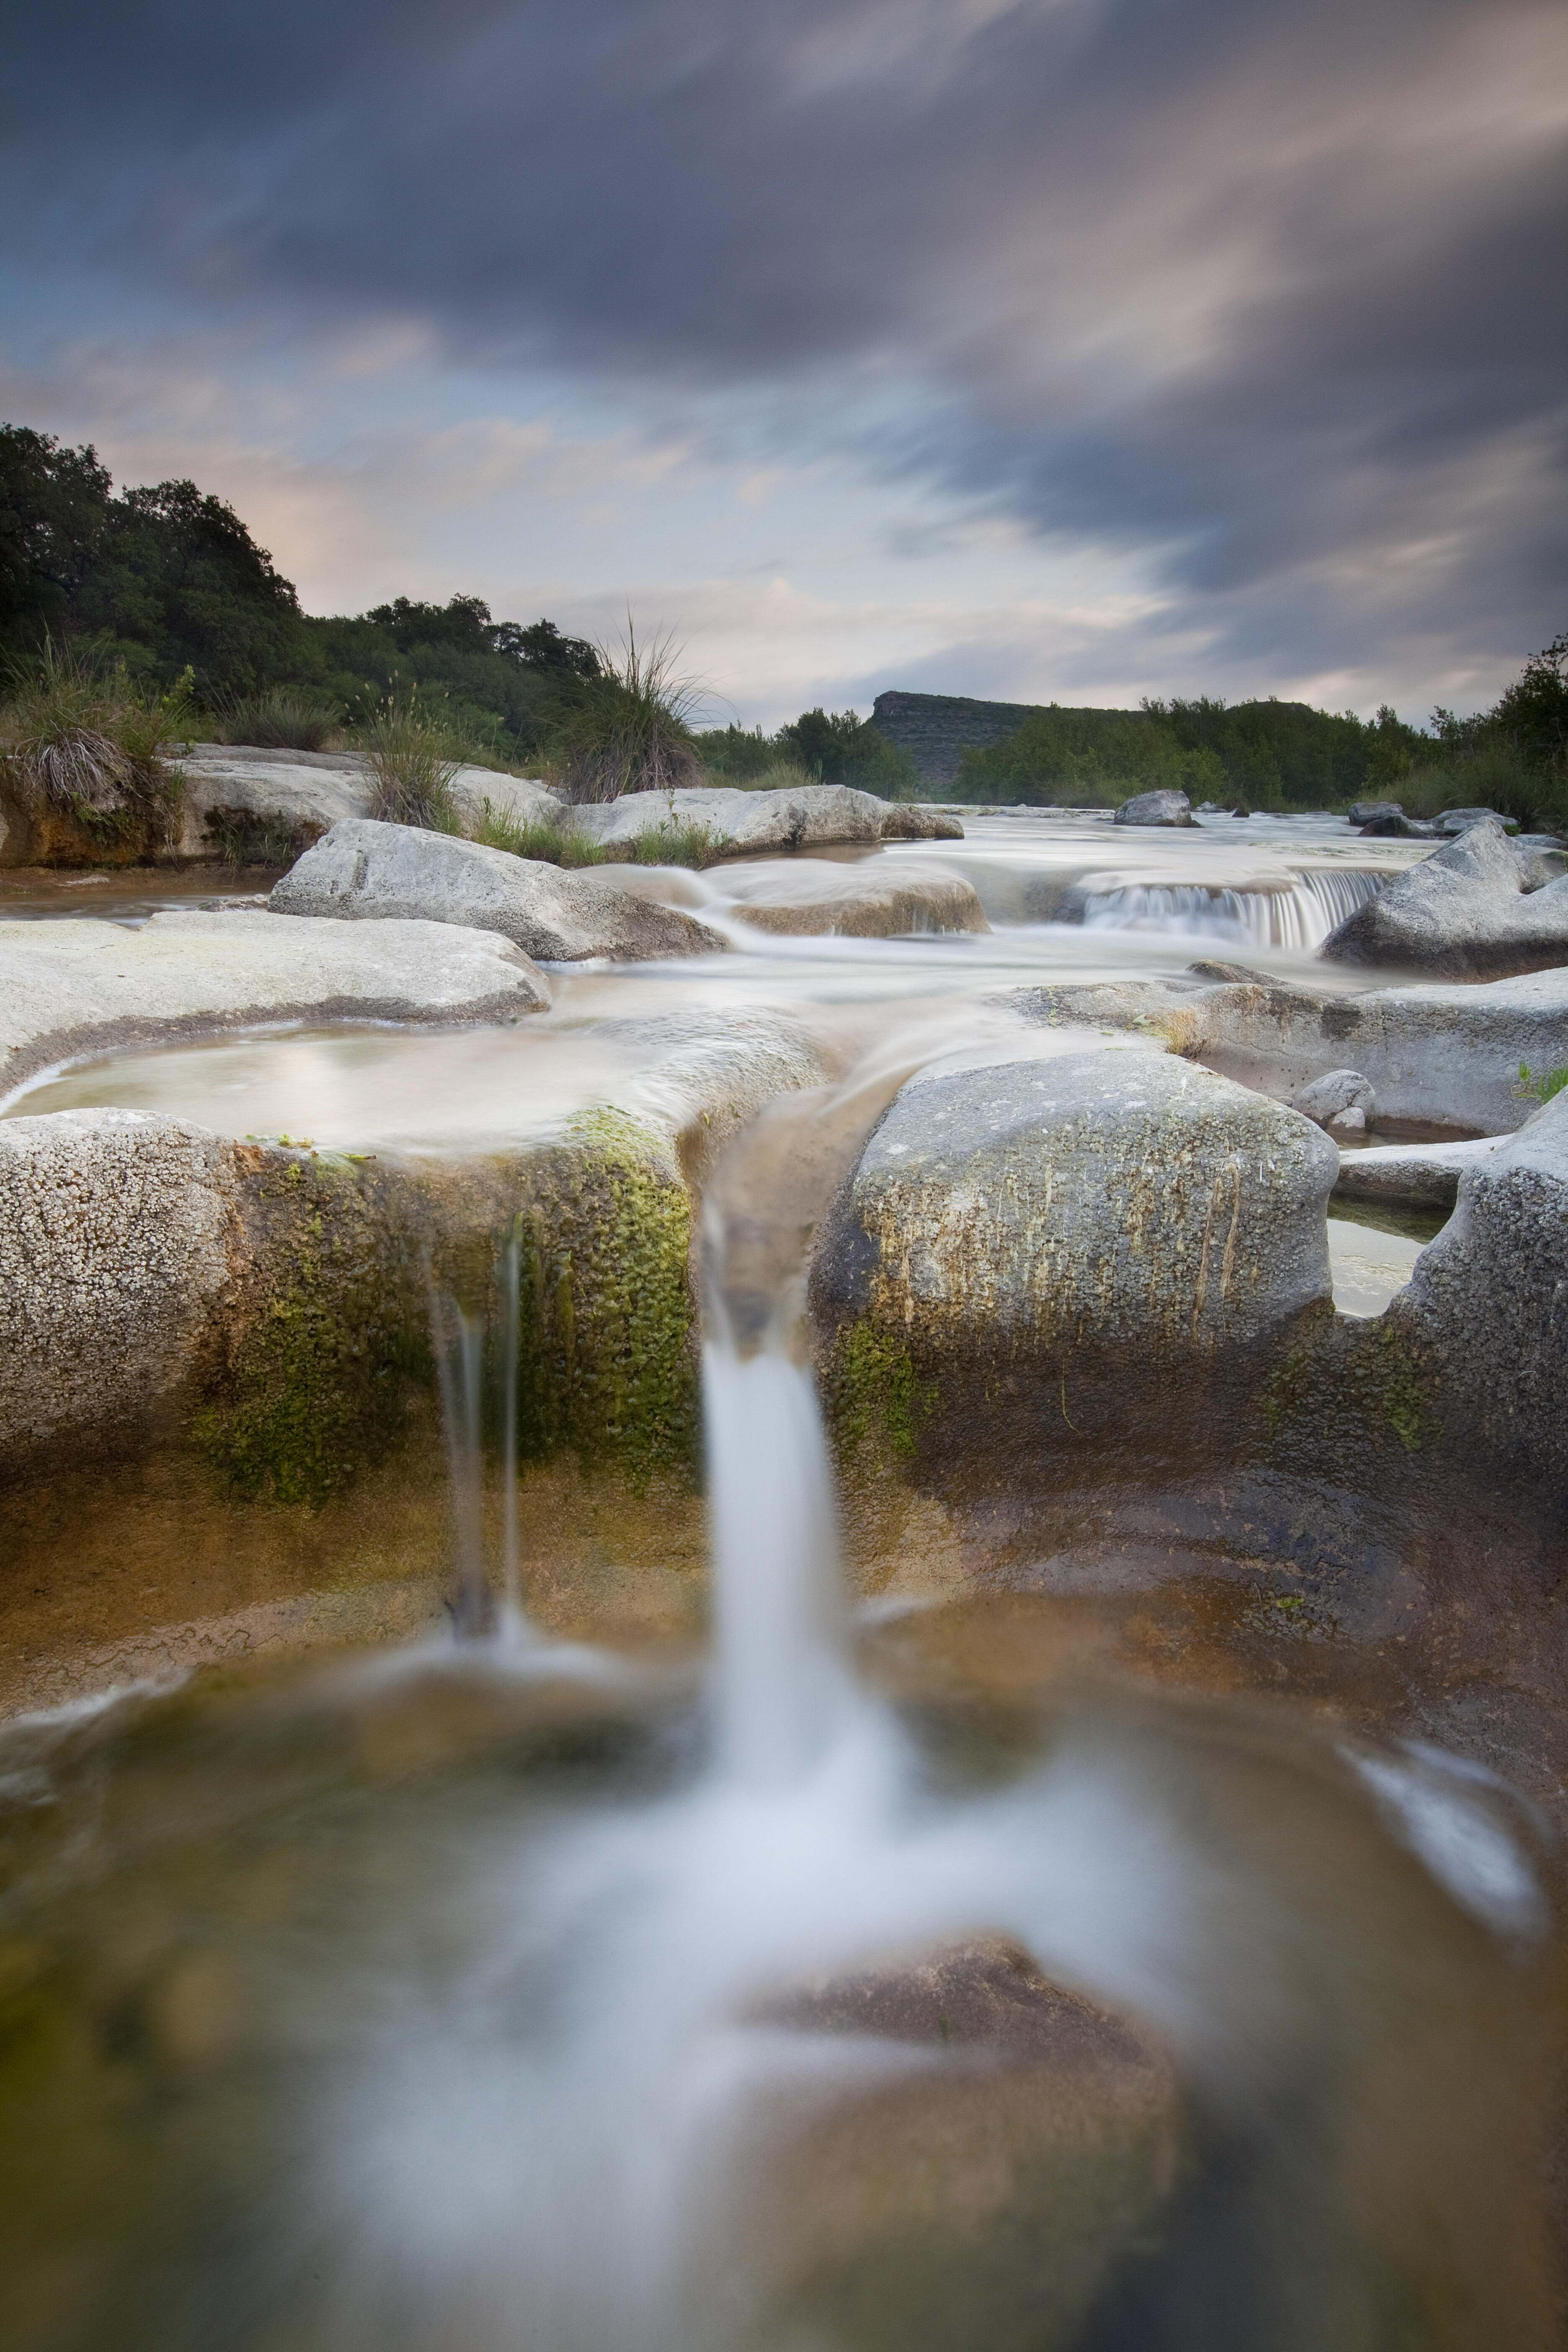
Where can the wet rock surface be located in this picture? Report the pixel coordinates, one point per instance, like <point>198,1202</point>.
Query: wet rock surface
<point>1475,909</point>
<point>75,988</point>
<point>811,898</point>
<point>365,871</point>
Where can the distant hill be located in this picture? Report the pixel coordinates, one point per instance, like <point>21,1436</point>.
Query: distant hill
<point>936,729</point>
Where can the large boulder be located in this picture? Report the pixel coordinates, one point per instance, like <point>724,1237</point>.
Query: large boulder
<point>72,988</point>
<point>365,871</point>
<point>1489,1300</point>
<point>1100,1246</point>
<point>1474,910</point>
<point>1167,808</point>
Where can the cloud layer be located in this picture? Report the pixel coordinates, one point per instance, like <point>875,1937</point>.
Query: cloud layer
<point>1258,297</point>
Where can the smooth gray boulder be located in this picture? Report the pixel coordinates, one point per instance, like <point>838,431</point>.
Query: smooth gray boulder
<point>1469,910</point>
<point>1364,813</point>
<point>1097,1241</point>
<point>1340,1101</point>
<point>68,989</point>
<point>1489,1298</point>
<point>1460,820</point>
<point>362,871</point>
<point>1165,808</point>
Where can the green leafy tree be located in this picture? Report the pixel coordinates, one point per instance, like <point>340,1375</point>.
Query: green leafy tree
<point>54,515</point>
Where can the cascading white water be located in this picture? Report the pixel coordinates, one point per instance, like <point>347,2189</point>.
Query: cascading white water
<point>1301,917</point>
<point>782,1691</point>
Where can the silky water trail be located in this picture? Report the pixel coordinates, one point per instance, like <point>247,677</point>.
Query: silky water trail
<point>492,1996</point>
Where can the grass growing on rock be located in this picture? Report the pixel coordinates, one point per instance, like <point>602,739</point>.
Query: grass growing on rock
<point>552,844</point>
<point>78,741</point>
<point>412,761</point>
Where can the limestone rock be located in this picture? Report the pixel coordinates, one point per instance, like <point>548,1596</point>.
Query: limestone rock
<point>1489,1297</point>
<point>265,807</point>
<point>363,870</point>
<point>1098,1240</point>
<point>1155,808</point>
<point>915,821</point>
<point>115,1233</point>
<point>1459,820</point>
<point>1411,1175</point>
<point>742,823</point>
<point>1469,910</point>
<point>811,897</point>
<point>72,988</point>
<point>1342,1101</point>
<point>1446,1053</point>
<point>1394,825</point>
<point>1364,813</point>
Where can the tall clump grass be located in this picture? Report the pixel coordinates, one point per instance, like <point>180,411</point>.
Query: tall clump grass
<point>79,740</point>
<point>778,776</point>
<point>631,731</point>
<point>412,761</point>
<point>285,719</point>
<point>551,844</point>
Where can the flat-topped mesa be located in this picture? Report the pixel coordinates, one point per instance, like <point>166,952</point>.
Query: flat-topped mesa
<point>1481,907</point>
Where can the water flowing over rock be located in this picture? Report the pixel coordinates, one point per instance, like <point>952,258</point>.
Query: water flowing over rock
<point>1474,910</point>
<point>74,988</point>
<point>363,871</point>
<point>811,898</point>
<point>1168,808</point>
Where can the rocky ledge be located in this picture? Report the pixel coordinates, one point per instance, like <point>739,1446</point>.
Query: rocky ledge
<point>72,988</point>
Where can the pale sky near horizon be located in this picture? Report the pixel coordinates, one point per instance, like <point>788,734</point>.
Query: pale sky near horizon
<point>1071,348</point>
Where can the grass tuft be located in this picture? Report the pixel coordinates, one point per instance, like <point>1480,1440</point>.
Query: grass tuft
<point>631,731</point>
<point>412,762</point>
<point>78,739</point>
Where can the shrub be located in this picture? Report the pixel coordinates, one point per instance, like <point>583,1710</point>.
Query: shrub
<point>285,719</point>
<point>1488,772</point>
<point>412,762</point>
<point>78,739</point>
<point>631,730</point>
<point>780,776</point>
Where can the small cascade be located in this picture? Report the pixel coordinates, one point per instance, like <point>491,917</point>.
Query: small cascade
<point>460,1341</point>
<point>1301,917</point>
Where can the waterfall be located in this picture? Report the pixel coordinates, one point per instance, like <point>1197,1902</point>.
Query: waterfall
<point>1301,917</point>
<point>458,1344</point>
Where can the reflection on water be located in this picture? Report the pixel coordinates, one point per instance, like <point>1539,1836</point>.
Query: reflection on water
<point>1369,1264</point>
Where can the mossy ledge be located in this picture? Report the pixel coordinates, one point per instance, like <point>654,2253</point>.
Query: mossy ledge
<point>307,1374</point>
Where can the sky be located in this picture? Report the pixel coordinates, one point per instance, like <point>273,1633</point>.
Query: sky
<point>1074,350</point>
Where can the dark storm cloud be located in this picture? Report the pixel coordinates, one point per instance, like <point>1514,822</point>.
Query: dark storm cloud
<point>1272,290</point>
